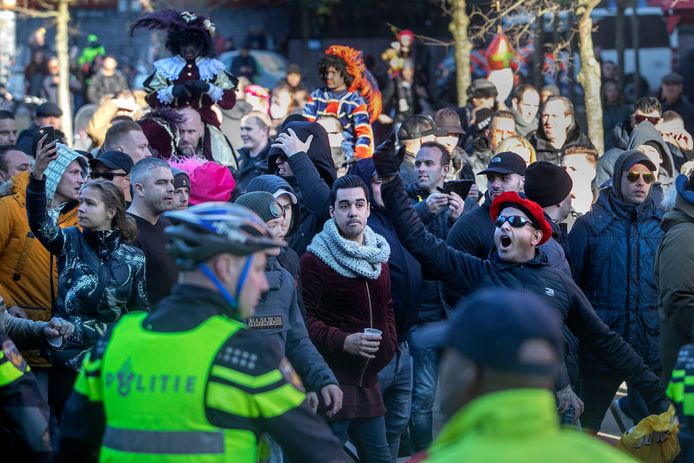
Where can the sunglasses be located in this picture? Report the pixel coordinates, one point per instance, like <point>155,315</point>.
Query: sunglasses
<point>515,221</point>
<point>639,118</point>
<point>633,177</point>
<point>106,175</point>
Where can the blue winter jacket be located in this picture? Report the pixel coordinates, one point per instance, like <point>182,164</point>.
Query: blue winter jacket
<point>613,250</point>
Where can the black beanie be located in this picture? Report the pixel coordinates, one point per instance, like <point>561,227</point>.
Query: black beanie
<point>547,184</point>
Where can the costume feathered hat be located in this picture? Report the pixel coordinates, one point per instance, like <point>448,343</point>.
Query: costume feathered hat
<point>160,126</point>
<point>363,82</point>
<point>168,20</point>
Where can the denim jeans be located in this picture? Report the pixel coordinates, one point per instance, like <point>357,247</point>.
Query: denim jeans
<point>425,369</point>
<point>367,434</point>
<point>396,387</point>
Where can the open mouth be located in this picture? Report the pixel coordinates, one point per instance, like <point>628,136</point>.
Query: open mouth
<point>505,242</point>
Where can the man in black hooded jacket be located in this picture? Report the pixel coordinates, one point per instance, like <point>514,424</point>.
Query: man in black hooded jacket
<point>301,155</point>
<point>516,263</point>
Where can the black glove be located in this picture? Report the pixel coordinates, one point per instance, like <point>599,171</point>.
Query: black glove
<point>197,86</point>
<point>386,160</point>
<point>180,91</point>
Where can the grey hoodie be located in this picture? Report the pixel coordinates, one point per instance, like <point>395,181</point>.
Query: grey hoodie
<point>645,132</point>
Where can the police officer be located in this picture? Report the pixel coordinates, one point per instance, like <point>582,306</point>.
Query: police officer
<point>679,390</point>
<point>189,382</point>
<point>23,411</point>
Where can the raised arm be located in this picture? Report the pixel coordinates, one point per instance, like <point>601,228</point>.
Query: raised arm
<point>314,190</point>
<point>42,225</point>
<point>459,270</point>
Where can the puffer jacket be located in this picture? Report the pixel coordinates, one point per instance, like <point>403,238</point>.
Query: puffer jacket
<point>99,277</point>
<point>468,273</point>
<point>613,251</point>
<point>277,315</point>
<point>674,278</point>
<point>28,274</point>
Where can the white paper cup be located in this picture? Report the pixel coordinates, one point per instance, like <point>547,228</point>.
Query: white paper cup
<point>373,332</point>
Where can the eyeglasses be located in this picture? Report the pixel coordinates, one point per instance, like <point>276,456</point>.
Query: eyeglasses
<point>106,175</point>
<point>639,118</point>
<point>515,221</point>
<point>633,177</point>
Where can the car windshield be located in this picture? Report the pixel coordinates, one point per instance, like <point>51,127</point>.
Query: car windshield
<point>268,62</point>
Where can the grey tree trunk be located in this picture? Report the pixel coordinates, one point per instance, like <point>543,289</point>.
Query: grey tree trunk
<point>458,27</point>
<point>62,52</point>
<point>589,76</point>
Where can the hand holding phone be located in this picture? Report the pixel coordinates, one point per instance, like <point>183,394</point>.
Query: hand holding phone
<point>47,130</point>
<point>459,187</point>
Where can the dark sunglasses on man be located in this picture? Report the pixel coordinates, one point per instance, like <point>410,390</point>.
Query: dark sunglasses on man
<point>515,221</point>
<point>639,118</point>
<point>106,175</point>
<point>633,177</point>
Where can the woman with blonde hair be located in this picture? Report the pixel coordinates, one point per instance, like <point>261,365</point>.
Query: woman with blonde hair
<point>519,145</point>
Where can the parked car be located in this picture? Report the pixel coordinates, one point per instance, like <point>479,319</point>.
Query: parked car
<point>657,48</point>
<point>272,67</point>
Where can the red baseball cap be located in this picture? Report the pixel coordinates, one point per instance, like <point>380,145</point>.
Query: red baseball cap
<point>530,208</point>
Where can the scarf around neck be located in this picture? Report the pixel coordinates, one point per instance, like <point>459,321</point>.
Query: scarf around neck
<point>348,258</point>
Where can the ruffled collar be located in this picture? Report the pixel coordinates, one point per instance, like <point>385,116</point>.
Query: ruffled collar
<point>171,67</point>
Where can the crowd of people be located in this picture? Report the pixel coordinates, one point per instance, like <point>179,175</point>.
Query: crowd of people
<point>235,273</point>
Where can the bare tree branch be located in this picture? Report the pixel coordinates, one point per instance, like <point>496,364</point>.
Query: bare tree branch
<point>33,13</point>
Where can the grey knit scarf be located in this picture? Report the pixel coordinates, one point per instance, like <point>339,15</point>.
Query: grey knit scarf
<point>348,258</point>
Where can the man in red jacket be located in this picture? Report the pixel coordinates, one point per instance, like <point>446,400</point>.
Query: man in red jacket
<point>349,314</point>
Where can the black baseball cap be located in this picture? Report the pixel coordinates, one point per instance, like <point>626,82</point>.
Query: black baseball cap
<point>491,326</point>
<point>505,163</point>
<point>114,160</point>
<point>49,110</point>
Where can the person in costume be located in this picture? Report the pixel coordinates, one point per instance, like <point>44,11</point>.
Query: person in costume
<point>160,126</point>
<point>350,95</point>
<point>400,50</point>
<point>190,77</point>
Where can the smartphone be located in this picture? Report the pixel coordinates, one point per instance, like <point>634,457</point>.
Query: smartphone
<point>47,130</point>
<point>459,187</point>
